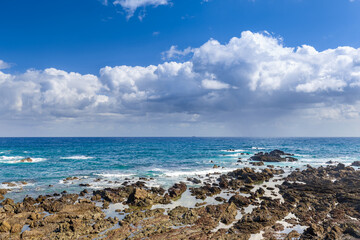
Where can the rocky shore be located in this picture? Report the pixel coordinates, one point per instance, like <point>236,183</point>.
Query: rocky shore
<point>248,203</point>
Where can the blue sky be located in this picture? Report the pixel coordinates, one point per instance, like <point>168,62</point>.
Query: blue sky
<point>180,68</point>
<point>85,35</point>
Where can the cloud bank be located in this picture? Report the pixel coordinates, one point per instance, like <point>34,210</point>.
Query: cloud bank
<point>252,80</point>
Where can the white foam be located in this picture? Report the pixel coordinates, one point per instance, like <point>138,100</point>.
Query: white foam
<point>17,159</point>
<point>115,175</point>
<point>17,186</point>
<point>232,155</point>
<point>194,173</point>
<point>257,148</point>
<point>77,157</point>
<point>233,150</point>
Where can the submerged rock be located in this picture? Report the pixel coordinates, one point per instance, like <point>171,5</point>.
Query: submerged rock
<point>26,160</point>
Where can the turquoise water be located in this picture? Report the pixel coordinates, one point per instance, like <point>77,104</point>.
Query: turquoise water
<point>167,160</point>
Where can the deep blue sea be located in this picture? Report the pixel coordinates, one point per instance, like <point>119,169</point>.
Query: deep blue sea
<point>107,162</point>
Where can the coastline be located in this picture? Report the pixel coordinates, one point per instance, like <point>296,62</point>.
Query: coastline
<point>247,203</point>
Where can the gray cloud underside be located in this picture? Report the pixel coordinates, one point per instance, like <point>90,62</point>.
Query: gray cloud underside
<point>253,78</point>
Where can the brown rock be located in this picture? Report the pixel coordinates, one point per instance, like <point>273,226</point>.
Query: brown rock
<point>16,228</point>
<point>292,235</point>
<point>229,214</point>
<point>5,227</point>
<point>8,208</point>
<point>177,190</point>
<point>239,201</point>
<point>26,160</point>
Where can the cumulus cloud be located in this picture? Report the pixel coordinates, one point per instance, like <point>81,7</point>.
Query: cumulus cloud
<point>131,6</point>
<point>252,78</point>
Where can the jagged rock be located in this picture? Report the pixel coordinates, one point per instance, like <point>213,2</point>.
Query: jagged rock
<point>194,180</point>
<point>356,163</point>
<point>205,191</point>
<point>292,235</point>
<point>273,156</point>
<point>229,214</point>
<point>177,190</point>
<point>5,226</point>
<point>140,198</point>
<point>239,201</point>
<point>16,228</point>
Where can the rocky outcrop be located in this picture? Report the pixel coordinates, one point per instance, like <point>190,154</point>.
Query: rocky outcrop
<point>177,190</point>
<point>325,200</point>
<point>273,156</point>
<point>140,198</point>
<point>356,164</point>
<point>239,201</point>
<point>205,191</point>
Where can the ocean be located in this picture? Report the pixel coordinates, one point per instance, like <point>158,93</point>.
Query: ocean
<point>108,162</point>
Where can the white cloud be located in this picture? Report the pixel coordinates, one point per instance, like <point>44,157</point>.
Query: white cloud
<point>252,78</point>
<point>174,52</point>
<point>214,84</point>
<point>3,65</point>
<point>130,6</point>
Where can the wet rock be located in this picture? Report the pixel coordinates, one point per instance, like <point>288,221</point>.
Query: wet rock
<point>259,193</point>
<point>26,160</point>
<point>220,199</point>
<point>292,235</point>
<point>84,185</point>
<point>324,197</point>
<point>8,208</point>
<point>9,184</point>
<point>158,190</point>
<point>205,191</point>
<point>223,182</point>
<point>200,204</point>
<point>177,190</point>
<point>71,178</point>
<point>194,180</point>
<point>257,163</point>
<point>229,214</point>
<point>8,201</point>
<point>140,197</point>
<point>239,201</point>
<point>356,163</point>
<point>273,156</point>
<point>106,205</point>
<point>5,226</point>
<point>16,228</point>
<point>278,227</point>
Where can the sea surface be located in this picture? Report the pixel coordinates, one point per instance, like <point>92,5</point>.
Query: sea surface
<point>108,162</point>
